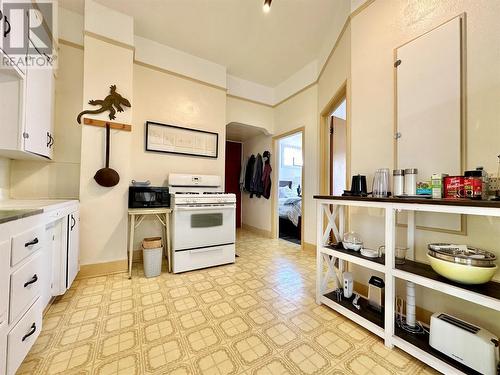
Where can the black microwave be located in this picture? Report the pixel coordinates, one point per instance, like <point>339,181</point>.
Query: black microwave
<point>148,197</point>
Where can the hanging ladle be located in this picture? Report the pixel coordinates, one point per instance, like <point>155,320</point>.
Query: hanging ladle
<point>107,176</point>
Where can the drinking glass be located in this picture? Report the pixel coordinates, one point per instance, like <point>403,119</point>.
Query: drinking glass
<point>380,188</point>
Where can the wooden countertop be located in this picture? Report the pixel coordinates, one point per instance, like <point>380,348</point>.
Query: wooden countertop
<point>442,202</point>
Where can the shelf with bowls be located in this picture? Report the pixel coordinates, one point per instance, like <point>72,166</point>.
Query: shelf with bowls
<point>487,294</point>
<point>337,250</point>
<point>334,210</point>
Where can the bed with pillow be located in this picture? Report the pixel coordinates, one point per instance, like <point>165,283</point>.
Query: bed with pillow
<point>290,211</point>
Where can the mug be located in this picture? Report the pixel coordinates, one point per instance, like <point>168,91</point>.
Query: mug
<point>399,253</point>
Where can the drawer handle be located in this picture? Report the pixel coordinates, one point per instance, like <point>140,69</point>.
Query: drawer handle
<point>32,331</point>
<point>34,279</point>
<point>31,243</point>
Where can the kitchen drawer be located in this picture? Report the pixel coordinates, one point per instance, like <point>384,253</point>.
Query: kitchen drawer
<point>22,337</point>
<point>188,260</point>
<point>3,346</point>
<point>25,286</point>
<point>27,243</point>
<point>4,280</point>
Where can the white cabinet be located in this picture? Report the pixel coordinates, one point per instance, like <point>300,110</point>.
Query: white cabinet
<point>22,337</point>
<point>39,111</point>
<point>27,101</point>
<point>4,280</point>
<point>66,252</point>
<point>3,346</point>
<point>73,247</point>
<point>39,259</point>
<point>25,286</point>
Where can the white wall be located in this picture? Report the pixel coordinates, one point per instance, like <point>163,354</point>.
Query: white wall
<point>301,111</point>
<point>375,32</point>
<point>256,212</point>
<point>4,178</point>
<point>297,112</point>
<point>169,99</point>
<point>249,113</point>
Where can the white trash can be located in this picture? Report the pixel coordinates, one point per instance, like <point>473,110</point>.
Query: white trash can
<point>152,255</point>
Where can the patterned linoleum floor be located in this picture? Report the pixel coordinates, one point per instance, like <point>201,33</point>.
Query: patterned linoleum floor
<point>257,316</point>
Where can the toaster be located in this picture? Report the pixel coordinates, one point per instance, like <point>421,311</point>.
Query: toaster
<point>376,293</point>
<point>466,343</point>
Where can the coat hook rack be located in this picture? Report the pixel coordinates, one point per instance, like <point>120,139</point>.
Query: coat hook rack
<point>103,124</point>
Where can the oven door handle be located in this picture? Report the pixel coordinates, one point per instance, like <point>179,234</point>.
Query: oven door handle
<point>204,208</point>
<point>205,250</point>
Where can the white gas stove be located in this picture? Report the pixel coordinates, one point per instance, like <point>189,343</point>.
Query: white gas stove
<point>203,222</point>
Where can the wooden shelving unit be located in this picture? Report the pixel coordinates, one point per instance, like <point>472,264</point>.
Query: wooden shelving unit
<point>383,324</point>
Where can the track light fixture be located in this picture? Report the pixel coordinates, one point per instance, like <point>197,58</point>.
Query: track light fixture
<point>267,6</point>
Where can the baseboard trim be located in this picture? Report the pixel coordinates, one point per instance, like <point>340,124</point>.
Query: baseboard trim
<point>260,232</point>
<point>101,269</point>
<point>309,246</point>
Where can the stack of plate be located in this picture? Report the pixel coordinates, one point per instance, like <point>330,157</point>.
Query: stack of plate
<point>463,264</point>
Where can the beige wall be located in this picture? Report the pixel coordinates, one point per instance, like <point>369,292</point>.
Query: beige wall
<point>59,179</point>
<point>256,212</point>
<point>300,111</point>
<point>249,113</point>
<point>375,32</point>
<point>4,178</point>
<point>336,72</point>
<point>103,211</point>
<point>169,99</point>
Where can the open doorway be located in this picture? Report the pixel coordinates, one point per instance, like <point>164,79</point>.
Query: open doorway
<point>290,186</point>
<point>338,148</point>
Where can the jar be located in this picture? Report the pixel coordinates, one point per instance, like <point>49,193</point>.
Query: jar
<point>398,182</point>
<point>410,187</point>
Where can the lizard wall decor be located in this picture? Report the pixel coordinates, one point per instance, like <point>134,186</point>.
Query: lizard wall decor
<point>110,102</point>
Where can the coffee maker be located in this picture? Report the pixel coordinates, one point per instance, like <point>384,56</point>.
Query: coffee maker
<point>358,187</point>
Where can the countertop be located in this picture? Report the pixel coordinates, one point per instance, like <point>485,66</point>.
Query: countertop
<point>7,215</point>
<point>15,209</point>
<point>31,204</point>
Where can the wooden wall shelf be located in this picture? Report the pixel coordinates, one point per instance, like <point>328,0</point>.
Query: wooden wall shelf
<point>103,124</point>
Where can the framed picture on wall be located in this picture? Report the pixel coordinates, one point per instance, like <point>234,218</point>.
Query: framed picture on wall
<point>179,140</point>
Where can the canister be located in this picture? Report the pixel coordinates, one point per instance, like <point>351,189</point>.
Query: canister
<point>398,183</point>
<point>437,185</point>
<point>454,187</point>
<point>410,187</point>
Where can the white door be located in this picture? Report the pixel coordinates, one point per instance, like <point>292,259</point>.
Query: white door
<point>39,111</point>
<point>73,247</point>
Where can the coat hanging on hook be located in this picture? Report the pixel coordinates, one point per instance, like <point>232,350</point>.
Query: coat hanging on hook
<point>266,174</point>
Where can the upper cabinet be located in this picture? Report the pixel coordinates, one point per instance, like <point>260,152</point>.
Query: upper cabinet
<point>27,86</point>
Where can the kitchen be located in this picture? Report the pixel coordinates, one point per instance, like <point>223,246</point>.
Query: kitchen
<point>193,95</point>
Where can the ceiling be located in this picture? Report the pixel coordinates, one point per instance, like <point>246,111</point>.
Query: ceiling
<point>259,47</point>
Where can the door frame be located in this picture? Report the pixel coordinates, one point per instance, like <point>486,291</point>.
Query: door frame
<point>324,136</point>
<point>275,186</point>
<point>241,196</point>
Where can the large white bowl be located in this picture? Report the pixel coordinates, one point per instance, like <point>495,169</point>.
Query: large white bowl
<point>462,273</point>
